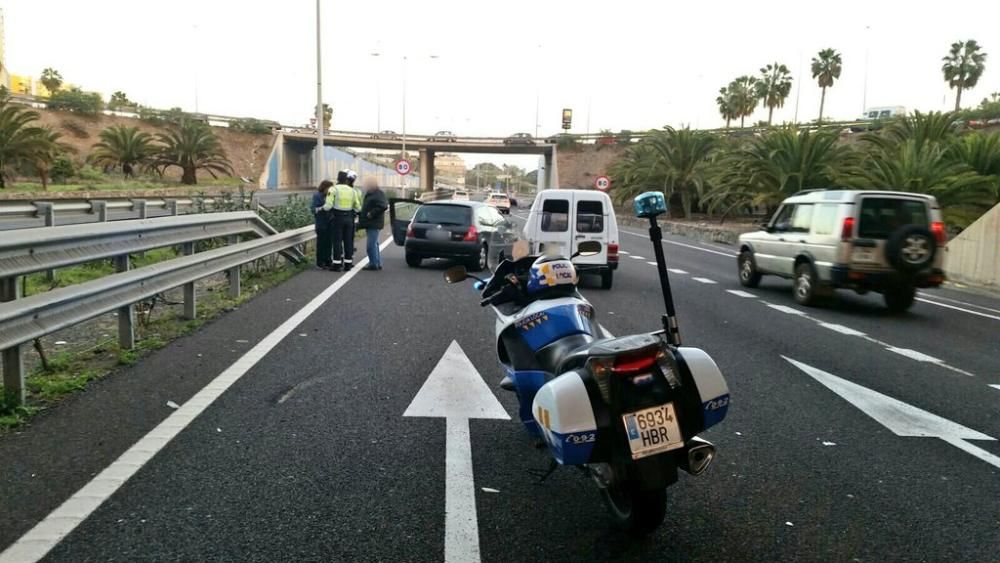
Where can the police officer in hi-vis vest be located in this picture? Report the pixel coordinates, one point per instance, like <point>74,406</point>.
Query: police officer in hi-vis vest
<point>344,203</point>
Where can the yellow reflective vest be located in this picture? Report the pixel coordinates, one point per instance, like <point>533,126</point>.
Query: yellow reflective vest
<point>343,198</point>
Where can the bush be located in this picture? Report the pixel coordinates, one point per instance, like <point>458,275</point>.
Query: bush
<point>251,125</point>
<point>292,214</point>
<point>77,101</point>
<point>62,169</point>
<point>89,173</point>
<point>150,115</point>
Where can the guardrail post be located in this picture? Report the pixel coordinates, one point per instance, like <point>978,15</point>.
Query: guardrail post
<point>172,207</point>
<point>101,209</point>
<point>234,273</point>
<point>47,210</point>
<point>190,298</point>
<point>126,314</point>
<point>12,358</point>
<point>140,206</point>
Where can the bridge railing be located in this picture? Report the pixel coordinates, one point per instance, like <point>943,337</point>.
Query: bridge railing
<point>23,319</point>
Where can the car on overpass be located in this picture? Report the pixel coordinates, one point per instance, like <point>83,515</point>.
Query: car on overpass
<point>519,139</point>
<point>469,231</point>
<point>443,137</point>
<point>386,135</point>
<point>888,242</point>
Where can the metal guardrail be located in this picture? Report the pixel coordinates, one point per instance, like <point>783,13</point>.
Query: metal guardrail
<point>29,250</point>
<point>50,210</point>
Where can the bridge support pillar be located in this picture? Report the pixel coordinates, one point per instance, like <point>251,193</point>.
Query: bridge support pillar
<point>549,170</point>
<point>126,314</point>
<point>234,273</point>
<point>190,297</point>
<point>426,170</point>
<point>12,358</point>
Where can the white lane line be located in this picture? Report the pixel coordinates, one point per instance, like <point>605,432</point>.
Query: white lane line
<point>623,252</point>
<point>950,300</point>
<point>705,280</point>
<point>38,541</point>
<point>676,270</point>
<point>842,329</point>
<point>995,386</point>
<point>784,309</point>
<point>969,311</point>
<point>703,249</point>
<point>637,257</point>
<point>651,263</point>
<point>915,355</point>
<point>740,293</point>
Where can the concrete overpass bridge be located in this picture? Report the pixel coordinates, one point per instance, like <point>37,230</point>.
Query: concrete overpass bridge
<point>292,161</point>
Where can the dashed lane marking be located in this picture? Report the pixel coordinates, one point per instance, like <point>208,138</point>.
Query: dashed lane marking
<point>637,257</point>
<point>842,329</point>
<point>676,271</point>
<point>785,309</point>
<point>705,280</point>
<point>740,293</point>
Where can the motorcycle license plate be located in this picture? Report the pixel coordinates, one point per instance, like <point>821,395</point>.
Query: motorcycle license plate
<point>654,430</point>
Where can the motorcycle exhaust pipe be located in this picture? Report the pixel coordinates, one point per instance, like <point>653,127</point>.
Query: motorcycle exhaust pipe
<point>700,454</point>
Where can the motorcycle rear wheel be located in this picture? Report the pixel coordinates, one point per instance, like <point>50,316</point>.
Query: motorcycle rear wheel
<point>636,512</point>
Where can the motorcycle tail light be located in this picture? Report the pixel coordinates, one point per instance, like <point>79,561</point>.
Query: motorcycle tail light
<point>635,364</point>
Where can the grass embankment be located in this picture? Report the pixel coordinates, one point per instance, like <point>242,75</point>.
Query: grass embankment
<point>117,185</point>
<point>67,372</point>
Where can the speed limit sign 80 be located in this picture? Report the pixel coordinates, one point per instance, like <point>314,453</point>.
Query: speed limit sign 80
<point>602,183</point>
<point>403,167</point>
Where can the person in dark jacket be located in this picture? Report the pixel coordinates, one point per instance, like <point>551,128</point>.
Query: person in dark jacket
<point>323,232</point>
<point>372,219</point>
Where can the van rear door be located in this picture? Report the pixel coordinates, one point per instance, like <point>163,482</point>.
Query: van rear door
<point>553,229</point>
<point>590,222</point>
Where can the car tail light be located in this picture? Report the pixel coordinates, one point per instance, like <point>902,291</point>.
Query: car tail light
<point>847,231</point>
<point>937,227</point>
<point>612,252</point>
<point>472,235</point>
<point>409,232</point>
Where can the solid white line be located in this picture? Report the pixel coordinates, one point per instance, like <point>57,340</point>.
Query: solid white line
<point>727,254</point>
<point>676,271</point>
<point>977,313</point>
<point>740,293</point>
<point>966,303</point>
<point>975,451</point>
<point>705,280</point>
<point>461,528</point>
<point>38,541</point>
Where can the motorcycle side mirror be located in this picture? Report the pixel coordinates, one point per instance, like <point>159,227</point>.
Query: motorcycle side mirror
<point>456,274</point>
<point>520,250</point>
<point>588,248</point>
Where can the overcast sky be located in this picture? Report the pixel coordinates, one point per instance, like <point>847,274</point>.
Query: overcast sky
<point>629,64</point>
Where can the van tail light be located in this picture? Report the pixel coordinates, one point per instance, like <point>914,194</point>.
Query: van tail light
<point>612,252</point>
<point>937,227</point>
<point>847,231</point>
<point>409,232</point>
<point>472,235</point>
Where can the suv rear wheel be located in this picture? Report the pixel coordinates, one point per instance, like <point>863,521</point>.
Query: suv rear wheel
<point>806,284</point>
<point>900,297</point>
<point>749,276</point>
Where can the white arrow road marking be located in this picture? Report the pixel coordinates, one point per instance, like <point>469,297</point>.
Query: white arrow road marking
<point>900,418</point>
<point>39,540</point>
<point>995,386</point>
<point>739,293</point>
<point>455,391</point>
<point>705,280</point>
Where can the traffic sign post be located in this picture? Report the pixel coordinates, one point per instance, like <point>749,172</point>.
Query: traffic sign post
<point>602,183</point>
<point>403,167</point>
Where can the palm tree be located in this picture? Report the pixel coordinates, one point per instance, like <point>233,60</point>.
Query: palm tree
<point>120,100</point>
<point>727,105</point>
<point>122,146</point>
<point>933,128</point>
<point>191,146</point>
<point>963,66</point>
<point>51,79</point>
<point>744,96</point>
<point>826,68</point>
<point>773,87</point>
<point>19,139</point>
<point>981,153</point>
<point>46,150</point>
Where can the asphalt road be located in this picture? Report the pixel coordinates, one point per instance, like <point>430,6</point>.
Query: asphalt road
<point>308,456</point>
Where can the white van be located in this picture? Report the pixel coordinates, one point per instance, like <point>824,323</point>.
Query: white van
<point>565,218</point>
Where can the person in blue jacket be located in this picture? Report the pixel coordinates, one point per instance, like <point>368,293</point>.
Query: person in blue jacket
<point>323,233</point>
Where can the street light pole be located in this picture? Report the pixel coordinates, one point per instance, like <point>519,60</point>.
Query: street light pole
<point>378,96</point>
<point>320,157</point>
<point>864,95</point>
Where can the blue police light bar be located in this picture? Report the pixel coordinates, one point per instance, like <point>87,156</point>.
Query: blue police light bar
<point>650,204</point>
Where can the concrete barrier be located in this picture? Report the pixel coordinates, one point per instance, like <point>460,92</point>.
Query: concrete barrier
<point>973,257</point>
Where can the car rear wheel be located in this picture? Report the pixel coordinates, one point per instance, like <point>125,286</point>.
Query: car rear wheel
<point>900,297</point>
<point>412,260</point>
<point>749,276</point>
<point>806,284</point>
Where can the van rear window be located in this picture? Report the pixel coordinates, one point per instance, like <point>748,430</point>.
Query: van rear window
<point>589,217</point>
<point>555,215</point>
<point>881,216</point>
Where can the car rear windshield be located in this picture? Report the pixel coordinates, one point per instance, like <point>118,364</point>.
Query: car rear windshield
<point>443,215</point>
<point>880,216</point>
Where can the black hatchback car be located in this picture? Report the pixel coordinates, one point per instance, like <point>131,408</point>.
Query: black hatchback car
<point>469,231</point>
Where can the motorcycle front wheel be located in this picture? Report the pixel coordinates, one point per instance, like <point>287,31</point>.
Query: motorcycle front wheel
<point>636,512</point>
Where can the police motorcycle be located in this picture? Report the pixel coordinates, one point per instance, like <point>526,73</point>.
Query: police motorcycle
<point>626,410</point>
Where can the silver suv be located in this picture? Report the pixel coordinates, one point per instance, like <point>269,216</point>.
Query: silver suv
<point>889,242</point>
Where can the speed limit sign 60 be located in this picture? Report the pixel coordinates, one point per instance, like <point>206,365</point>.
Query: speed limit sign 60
<point>602,183</point>
<point>403,167</point>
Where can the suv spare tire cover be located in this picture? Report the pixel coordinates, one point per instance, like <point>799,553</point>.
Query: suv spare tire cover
<point>911,248</point>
